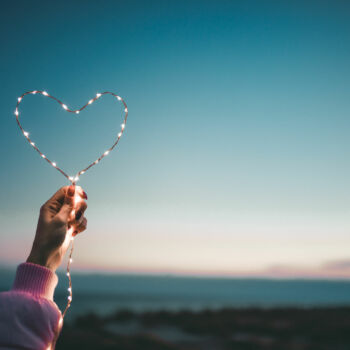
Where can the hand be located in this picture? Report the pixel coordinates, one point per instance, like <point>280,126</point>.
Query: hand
<point>61,217</point>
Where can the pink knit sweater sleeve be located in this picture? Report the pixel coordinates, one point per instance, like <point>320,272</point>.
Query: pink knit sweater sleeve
<point>29,318</point>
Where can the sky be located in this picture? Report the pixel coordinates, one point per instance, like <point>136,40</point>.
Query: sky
<point>235,157</point>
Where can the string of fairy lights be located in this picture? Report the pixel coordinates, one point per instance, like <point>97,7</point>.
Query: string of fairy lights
<point>73,179</point>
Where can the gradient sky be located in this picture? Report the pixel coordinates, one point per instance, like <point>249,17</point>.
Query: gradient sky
<point>236,156</point>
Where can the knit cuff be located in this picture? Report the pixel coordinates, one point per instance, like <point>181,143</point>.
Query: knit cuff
<point>36,280</point>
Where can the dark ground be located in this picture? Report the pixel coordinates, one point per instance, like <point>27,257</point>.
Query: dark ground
<point>238,329</point>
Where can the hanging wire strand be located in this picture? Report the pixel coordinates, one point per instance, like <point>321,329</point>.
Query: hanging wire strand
<point>70,290</point>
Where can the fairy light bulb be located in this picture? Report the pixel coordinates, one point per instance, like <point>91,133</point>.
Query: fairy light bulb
<point>16,112</point>
<point>65,107</point>
<point>90,102</point>
<point>26,133</point>
<point>106,153</point>
<point>98,95</point>
<point>123,126</point>
<point>19,99</point>
<point>54,164</point>
<point>77,112</point>
<point>126,110</point>
<point>119,98</point>
<point>120,134</point>
<point>45,93</point>
<point>43,155</point>
<point>32,143</point>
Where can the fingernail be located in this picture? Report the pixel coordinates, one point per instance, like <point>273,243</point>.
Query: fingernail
<point>85,195</point>
<point>71,190</point>
<point>78,215</point>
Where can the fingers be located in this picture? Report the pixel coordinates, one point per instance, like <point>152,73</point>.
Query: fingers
<point>79,218</point>
<point>52,206</point>
<point>79,212</point>
<point>68,204</point>
<point>60,195</point>
<point>73,205</point>
<point>81,227</point>
<point>67,207</point>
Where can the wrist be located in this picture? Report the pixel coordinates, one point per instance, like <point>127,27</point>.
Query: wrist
<point>39,259</point>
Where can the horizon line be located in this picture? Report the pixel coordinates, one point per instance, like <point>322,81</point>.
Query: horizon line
<point>282,273</point>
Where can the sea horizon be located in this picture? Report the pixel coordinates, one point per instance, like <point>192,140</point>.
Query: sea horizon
<point>105,293</point>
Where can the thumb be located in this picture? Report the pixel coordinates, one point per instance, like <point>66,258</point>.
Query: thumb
<point>68,204</point>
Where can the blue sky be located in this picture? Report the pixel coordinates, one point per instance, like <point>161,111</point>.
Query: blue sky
<point>235,158</point>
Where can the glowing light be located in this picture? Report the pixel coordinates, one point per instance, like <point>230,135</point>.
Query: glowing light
<point>123,126</point>
<point>126,110</point>
<point>19,99</point>
<point>70,178</point>
<point>64,106</point>
<point>54,164</point>
<point>16,112</point>
<point>69,298</point>
<point>70,260</point>
<point>77,199</point>
<point>82,172</point>
<point>98,95</point>
<point>119,98</point>
<point>96,161</point>
<point>76,179</point>
<point>68,274</point>
<point>34,92</point>
<point>45,93</point>
<point>106,153</point>
<point>26,133</point>
<point>69,289</point>
<point>77,112</point>
<point>32,143</point>
<point>43,155</point>
<point>91,102</point>
<point>120,134</point>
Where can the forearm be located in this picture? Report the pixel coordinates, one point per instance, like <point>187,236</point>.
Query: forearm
<point>29,318</point>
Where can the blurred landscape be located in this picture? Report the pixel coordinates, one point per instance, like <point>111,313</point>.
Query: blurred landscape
<point>176,312</point>
<point>248,328</point>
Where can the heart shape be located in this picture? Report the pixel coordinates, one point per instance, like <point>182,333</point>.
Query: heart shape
<point>72,179</point>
